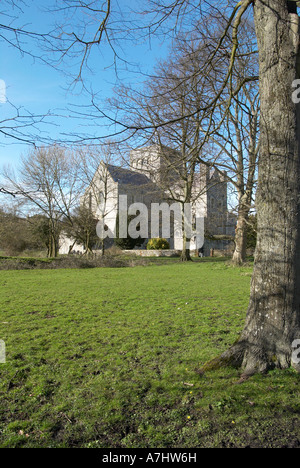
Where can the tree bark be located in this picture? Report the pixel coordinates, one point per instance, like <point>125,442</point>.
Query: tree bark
<point>53,246</point>
<point>186,253</point>
<point>240,250</point>
<point>273,318</point>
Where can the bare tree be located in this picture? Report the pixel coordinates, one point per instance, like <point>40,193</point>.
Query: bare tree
<point>82,230</point>
<point>273,320</point>
<point>47,183</point>
<point>240,162</point>
<point>167,111</point>
<point>16,123</point>
<point>174,94</point>
<point>238,143</point>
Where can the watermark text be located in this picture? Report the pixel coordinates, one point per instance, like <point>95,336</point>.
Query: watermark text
<point>158,220</point>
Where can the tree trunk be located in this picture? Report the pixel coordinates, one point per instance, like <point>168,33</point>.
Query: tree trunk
<point>240,250</point>
<point>273,318</point>
<point>186,253</point>
<point>71,248</point>
<point>53,247</point>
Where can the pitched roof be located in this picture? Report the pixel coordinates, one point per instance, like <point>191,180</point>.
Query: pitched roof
<point>125,176</point>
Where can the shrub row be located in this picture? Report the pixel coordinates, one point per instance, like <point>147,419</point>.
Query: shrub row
<point>67,262</point>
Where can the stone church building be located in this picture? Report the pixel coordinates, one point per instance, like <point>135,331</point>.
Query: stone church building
<point>153,178</point>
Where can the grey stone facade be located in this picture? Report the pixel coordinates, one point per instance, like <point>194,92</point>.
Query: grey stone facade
<point>145,182</point>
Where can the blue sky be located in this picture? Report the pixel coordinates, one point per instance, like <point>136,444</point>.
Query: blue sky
<point>38,88</point>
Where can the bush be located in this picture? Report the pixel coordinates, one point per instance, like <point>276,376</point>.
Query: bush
<point>69,262</point>
<point>127,243</point>
<point>20,234</point>
<point>158,244</point>
<point>114,250</point>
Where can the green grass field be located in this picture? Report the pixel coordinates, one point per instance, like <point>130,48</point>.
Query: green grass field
<point>110,358</point>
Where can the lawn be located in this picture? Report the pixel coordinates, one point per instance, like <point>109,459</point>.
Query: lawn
<point>110,358</point>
